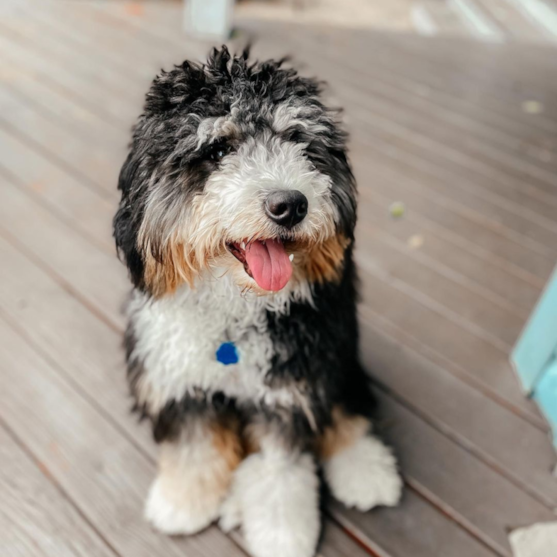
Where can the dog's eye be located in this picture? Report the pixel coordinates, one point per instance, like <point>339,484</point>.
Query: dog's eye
<point>219,151</point>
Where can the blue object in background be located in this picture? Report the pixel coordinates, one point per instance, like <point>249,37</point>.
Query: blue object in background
<point>546,396</point>
<point>227,353</point>
<point>535,354</point>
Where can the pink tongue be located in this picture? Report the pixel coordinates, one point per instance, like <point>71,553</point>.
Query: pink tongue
<point>269,264</point>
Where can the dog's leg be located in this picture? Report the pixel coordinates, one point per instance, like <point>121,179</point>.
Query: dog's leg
<point>195,472</point>
<point>275,498</point>
<point>360,470</point>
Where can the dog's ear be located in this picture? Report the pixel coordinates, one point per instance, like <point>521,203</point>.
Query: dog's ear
<point>156,258</point>
<point>128,219</point>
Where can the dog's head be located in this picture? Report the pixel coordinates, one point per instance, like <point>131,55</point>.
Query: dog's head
<point>236,166</point>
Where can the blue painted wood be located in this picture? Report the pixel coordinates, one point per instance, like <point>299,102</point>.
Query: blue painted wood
<point>538,340</point>
<point>545,395</point>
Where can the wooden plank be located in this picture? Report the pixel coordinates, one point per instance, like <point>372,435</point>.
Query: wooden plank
<point>81,267</point>
<point>436,136</point>
<point>26,165</point>
<point>89,363</point>
<point>83,32</point>
<point>27,118</point>
<point>387,120</point>
<point>524,211</point>
<point>59,106</point>
<point>488,505</point>
<point>476,223</point>
<point>463,223</point>
<point>436,67</point>
<point>473,267</point>
<point>104,213</point>
<point>68,260</point>
<point>68,441</point>
<point>403,262</point>
<point>441,330</point>
<point>463,510</point>
<point>101,472</point>
<point>53,188</point>
<point>513,159</point>
<point>387,81</point>
<point>493,433</point>
<point>35,38</point>
<point>92,162</point>
<point>412,529</point>
<point>57,76</point>
<point>93,282</point>
<point>466,69</point>
<point>36,519</point>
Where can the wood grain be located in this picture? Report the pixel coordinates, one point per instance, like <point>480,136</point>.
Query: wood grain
<point>37,519</point>
<point>437,124</point>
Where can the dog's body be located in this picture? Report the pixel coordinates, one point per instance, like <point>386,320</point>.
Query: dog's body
<point>236,223</point>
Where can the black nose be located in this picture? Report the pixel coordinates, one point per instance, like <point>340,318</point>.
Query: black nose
<point>286,207</point>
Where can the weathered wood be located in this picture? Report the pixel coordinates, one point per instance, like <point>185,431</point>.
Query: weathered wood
<point>89,358</point>
<point>489,504</point>
<point>101,472</point>
<point>66,265</point>
<point>512,385</point>
<point>437,124</point>
<point>37,520</point>
<point>81,267</point>
<point>461,411</point>
<point>92,162</point>
<point>53,188</point>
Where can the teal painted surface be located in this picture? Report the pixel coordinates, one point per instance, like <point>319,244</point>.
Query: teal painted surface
<point>538,341</point>
<point>545,394</point>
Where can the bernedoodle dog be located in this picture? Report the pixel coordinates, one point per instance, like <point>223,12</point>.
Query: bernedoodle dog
<point>237,226</point>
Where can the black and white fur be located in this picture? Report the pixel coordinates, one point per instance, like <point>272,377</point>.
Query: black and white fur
<point>244,442</point>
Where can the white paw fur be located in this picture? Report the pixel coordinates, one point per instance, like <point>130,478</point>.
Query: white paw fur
<point>364,475</point>
<point>275,498</point>
<point>194,477</point>
<point>174,514</point>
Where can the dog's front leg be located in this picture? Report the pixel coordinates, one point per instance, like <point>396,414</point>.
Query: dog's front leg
<point>360,470</point>
<point>275,498</point>
<point>195,471</point>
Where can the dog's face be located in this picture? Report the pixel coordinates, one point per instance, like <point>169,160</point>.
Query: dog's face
<point>235,167</point>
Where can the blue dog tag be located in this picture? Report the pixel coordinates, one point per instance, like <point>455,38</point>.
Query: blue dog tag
<point>227,353</point>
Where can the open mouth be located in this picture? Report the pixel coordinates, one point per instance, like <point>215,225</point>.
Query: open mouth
<point>265,261</point>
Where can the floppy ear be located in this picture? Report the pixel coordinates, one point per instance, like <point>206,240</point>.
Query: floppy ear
<point>154,254</point>
<point>127,220</point>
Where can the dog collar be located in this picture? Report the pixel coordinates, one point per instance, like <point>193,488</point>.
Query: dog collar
<point>227,354</point>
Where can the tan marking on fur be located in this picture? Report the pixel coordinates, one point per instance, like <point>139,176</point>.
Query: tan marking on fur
<point>197,469</point>
<point>227,441</point>
<point>173,269</point>
<point>252,435</point>
<point>323,262</point>
<point>344,432</point>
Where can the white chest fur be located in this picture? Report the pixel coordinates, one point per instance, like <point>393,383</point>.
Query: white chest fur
<point>177,338</point>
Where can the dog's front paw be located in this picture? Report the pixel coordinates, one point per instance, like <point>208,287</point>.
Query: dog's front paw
<point>364,475</point>
<point>276,502</point>
<point>175,512</point>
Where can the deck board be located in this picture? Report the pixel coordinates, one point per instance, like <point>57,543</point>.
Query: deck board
<point>436,123</point>
<point>37,509</point>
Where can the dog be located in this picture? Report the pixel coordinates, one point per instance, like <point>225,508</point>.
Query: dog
<point>236,223</point>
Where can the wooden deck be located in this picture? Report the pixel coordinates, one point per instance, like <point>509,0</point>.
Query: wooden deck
<point>450,127</point>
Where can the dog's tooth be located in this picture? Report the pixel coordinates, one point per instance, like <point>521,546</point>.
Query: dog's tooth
<point>291,257</point>
<point>243,245</point>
